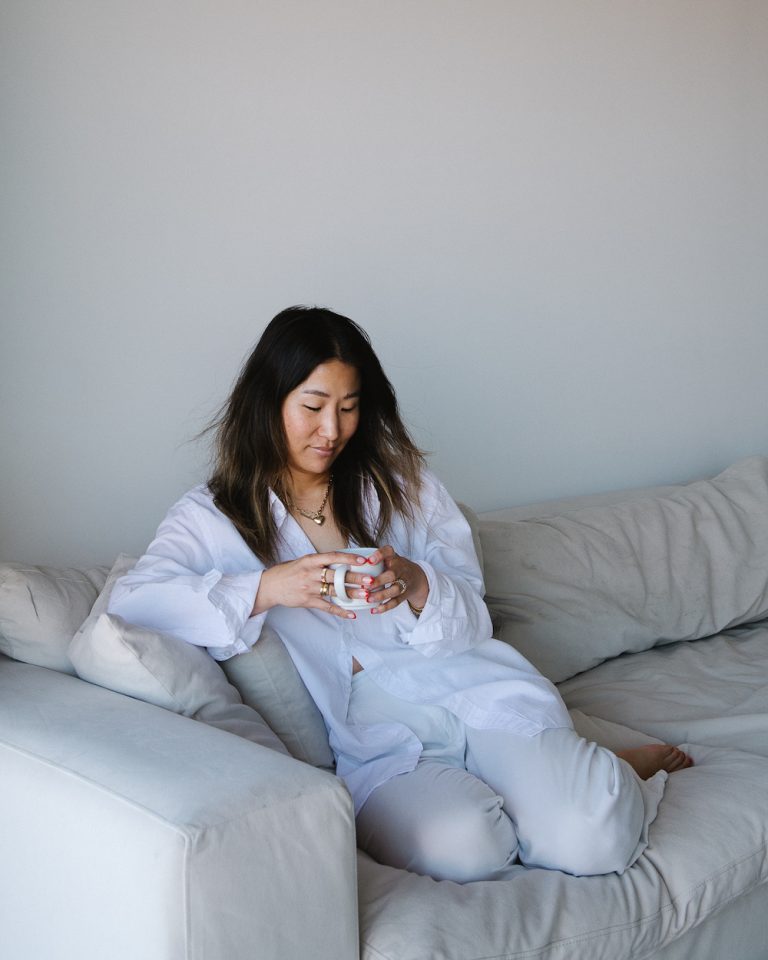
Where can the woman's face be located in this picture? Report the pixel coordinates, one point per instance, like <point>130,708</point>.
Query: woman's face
<point>320,416</point>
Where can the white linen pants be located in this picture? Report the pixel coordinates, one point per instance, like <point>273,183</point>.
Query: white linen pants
<point>479,800</point>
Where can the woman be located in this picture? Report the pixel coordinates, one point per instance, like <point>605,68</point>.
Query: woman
<point>461,758</point>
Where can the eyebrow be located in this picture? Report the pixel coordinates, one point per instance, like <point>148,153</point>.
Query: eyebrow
<point>322,393</point>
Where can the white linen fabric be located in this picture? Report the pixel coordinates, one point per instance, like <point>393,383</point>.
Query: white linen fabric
<point>438,821</point>
<point>577,807</point>
<point>478,798</point>
<point>198,580</point>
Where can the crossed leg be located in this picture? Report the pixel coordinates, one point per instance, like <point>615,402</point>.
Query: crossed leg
<point>576,806</point>
<point>555,800</point>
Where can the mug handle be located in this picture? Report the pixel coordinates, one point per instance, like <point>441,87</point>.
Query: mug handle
<point>339,584</point>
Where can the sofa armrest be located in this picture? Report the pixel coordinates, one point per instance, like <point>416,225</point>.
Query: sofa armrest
<point>128,831</point>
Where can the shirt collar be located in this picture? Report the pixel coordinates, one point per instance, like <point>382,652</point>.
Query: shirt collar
<point>371,506</point>
<point>276,505</point>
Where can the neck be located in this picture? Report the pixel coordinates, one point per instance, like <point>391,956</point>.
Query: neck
<point>310,486</point>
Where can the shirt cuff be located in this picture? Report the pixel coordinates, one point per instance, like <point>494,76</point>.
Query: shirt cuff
<point>425,632</point>
<point>234,595</point>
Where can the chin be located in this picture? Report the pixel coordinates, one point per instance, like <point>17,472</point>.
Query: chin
<point>316,464</point>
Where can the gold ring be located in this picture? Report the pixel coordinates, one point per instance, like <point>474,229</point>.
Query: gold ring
<point>322,575</point>
<point>403,585</point>
<point>324,589</point>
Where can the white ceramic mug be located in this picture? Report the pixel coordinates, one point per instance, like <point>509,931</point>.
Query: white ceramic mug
<point>340,571</point>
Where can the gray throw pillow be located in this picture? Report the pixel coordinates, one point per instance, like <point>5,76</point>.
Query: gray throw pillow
<point>269,682</point>
<point>571,590</point>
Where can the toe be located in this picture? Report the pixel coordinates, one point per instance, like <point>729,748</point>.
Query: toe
<point>681,760</point>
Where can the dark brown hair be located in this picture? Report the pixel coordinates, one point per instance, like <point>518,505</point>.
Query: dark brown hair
<point>251,449</point>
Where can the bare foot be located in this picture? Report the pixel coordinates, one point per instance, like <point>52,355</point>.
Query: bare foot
<point>652,757</point>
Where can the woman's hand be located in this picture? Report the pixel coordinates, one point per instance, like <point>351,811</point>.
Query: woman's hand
<point>402,581</point>
<point>306,582</point>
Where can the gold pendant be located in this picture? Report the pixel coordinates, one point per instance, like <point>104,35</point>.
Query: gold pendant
<point>319,519</point>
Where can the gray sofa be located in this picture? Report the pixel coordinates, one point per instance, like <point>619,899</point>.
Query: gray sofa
<point>155,808</point>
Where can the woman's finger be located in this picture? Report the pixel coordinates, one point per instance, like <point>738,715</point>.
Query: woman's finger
<point>391,595</point>
<point>364,580</point>
<point>322,600</point>
<point>381,555</point>
<point>400,569</point>
<point>335,610</point>
<point>387,554</point>
<point>336,556</point>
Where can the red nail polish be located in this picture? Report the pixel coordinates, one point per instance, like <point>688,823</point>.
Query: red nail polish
<point>351,616</point>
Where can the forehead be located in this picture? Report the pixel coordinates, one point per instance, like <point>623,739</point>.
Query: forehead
<point>334,378</point>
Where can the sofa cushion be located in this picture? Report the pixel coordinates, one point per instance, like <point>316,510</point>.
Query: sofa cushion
<point>167,672</point>
<point>269,682</point>
<point>711,691</point>
<point>571,590</point>
<point>40,609</point>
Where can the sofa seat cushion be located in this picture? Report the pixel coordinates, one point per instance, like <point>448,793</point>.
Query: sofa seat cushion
<point>711,691</point>
<point>704,850</point>
<point>574,587</point>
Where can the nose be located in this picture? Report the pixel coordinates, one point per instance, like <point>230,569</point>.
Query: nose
<point>329,425</point>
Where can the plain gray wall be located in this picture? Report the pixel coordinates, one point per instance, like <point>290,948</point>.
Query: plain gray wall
<point>551,217</point>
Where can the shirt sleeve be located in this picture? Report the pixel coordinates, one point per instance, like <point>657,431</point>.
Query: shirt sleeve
<point>182,587</point>
<point>455,616</point>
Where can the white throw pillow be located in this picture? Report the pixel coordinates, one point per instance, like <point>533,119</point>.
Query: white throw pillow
<point>121,566</point>
<point>167,672</point>
<point>571,590</point>
<point>40,609</point>
<point>265,679</point>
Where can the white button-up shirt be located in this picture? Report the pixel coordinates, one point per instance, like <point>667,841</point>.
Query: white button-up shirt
<point>198,581</point>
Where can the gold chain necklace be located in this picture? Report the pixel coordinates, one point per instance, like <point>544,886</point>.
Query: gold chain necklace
<point>318,516</point>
